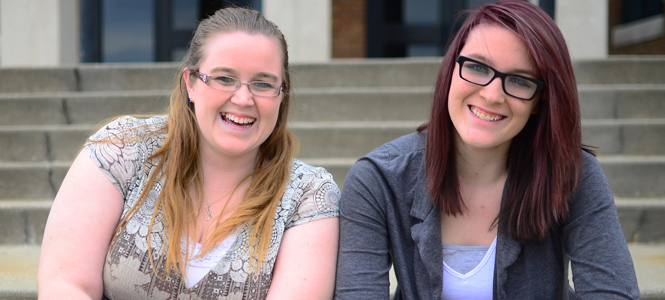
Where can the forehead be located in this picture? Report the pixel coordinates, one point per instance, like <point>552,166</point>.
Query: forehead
<point>242,52</point>
<point>498,47</point>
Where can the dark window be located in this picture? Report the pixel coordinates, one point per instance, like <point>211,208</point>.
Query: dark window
<point>127,31</point>
<point>144,30</point>
<point>639,9</point>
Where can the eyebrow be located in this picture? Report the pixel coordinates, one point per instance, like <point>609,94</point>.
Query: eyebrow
<point>233,72</point>
<point>267,75</point>
<point>513,71</point>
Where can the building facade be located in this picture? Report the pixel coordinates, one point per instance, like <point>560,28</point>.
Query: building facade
<point>60,32</point>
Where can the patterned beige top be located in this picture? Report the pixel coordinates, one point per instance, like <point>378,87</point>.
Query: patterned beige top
<point>311,194</point>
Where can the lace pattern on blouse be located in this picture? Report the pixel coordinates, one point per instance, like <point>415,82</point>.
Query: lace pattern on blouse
<point>311,194</point>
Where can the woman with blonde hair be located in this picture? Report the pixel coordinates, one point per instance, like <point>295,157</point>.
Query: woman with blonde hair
<point>206,202</point>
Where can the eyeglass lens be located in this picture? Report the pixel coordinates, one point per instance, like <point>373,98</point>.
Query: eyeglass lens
<point>230,84</point>
<point>516,86</point>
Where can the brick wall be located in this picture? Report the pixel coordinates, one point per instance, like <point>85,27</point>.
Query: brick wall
<point>656,46</point>
<point>349,28</point>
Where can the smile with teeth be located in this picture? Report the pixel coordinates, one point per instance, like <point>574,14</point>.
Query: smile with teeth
<point>235,120</point>
<point>478,113</point>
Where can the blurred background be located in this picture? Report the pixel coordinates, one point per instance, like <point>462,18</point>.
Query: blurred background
<point>56,32</point>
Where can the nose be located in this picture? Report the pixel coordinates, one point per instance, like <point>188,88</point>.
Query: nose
<point>493,91</point>
<point>242,96</point>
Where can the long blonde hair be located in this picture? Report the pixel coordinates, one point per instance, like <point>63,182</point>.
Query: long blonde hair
<point>179,162</point>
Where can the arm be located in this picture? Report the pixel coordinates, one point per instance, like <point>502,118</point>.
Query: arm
<point>364,258</point>
<point>601,264</point>
<point>305,264</point>
<point>80,225</point>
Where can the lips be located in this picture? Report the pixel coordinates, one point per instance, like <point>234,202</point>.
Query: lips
<point>485,115</point>
<point>237,120</point>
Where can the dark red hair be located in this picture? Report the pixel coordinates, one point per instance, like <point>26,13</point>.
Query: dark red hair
<point>545,158</point>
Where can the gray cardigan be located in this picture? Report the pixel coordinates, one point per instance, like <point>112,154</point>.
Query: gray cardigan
<point>387,217</point>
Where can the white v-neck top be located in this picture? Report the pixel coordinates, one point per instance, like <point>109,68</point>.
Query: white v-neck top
<point>477,284</point>
<point>200,266</point>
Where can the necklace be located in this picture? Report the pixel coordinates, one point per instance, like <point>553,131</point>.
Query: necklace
<point>220,198</point>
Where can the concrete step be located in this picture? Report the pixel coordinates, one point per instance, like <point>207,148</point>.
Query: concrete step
<point>637,69</point>
<point>635,176</point>
<point>35,143</point>
<point>23,221</point>
<point>625,136</point>
<point>78,107</point>
<point>18,271</point>
<point>337,73</point>
<point>622,101</point>
<point>31,180</point>
<point>628,176</point>
<point>125,77</point>
<point>354,139</point>
<point>311,104</point>
<point>89,77</point>
<point>37,154</point>
<point>642,219</point>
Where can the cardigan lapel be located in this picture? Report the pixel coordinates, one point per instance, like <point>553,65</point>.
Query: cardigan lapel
<point>427,235</point>
<point>507,251</point>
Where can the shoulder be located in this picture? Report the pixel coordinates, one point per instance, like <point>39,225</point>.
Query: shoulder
<point>401,158</point>
<point>406,146</point>
<point>311,194</point>
<point>301,171</point>
<point>593,174</point>
<point>129,134</point>
<point>121,147</point>
<point>127,127</point>
<point>306,179</point>
<point>593,191</point>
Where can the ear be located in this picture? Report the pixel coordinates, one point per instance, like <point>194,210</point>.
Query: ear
<point>190,84</point>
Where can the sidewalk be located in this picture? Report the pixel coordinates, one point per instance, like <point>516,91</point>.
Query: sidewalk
<point>18,271</point>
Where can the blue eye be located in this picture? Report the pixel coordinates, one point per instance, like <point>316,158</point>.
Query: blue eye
<point>225,80</point>
<point>262,86</point>
<point>520,82</point>
<point>477,68</point>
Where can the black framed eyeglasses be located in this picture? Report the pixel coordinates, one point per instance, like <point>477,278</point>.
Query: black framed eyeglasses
<point>518,86</point>
<point>231,84</point>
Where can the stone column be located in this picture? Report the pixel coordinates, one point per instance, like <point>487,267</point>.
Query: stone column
<point>584,25</point>
<point>38,33</point>
<point>306,25</point>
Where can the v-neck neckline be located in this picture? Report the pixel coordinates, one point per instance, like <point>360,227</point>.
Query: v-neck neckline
<point>229,243</point>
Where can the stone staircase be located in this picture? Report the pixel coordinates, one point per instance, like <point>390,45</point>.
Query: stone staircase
<point>340,111</point>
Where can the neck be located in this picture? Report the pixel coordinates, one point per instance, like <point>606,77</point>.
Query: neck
<point>222,174</point>
<point>481,166</point>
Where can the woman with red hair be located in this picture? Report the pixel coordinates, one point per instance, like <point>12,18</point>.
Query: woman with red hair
<point>495,195</point>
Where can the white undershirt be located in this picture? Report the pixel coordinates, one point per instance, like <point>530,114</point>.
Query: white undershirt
<point>477,284</point>
<point>199,267</point>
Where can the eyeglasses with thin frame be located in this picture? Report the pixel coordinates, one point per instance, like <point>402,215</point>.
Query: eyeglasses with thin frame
<point>518,86</point>
<point>231,84</point>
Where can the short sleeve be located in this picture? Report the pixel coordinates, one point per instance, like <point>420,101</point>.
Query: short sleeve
<point>319,196</point>
<point>121,147</point>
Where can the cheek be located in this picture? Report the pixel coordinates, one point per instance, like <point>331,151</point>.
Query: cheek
<point>460,89</point>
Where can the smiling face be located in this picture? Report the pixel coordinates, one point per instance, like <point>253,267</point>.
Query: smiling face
<point>485,117</point>
<point>234,124</point>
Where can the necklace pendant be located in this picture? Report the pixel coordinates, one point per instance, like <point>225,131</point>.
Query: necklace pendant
<point>208,211</point>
